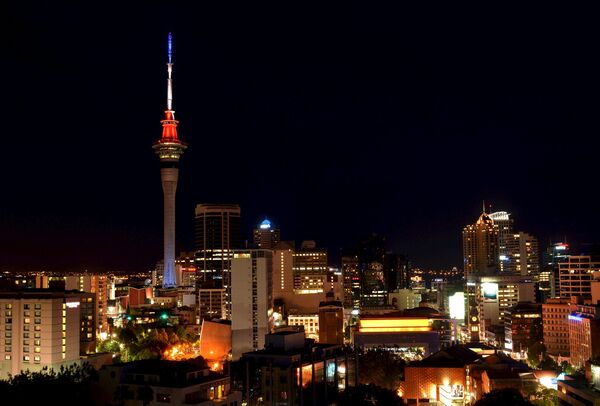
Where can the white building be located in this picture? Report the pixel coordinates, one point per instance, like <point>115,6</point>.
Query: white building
<point>37,330</point>
<point>251,299</point>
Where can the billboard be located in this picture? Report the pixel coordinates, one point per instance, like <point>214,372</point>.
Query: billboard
<point>456,303</point>
<point>489,291</point>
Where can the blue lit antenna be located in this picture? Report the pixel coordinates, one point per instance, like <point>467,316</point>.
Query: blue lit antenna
<point>170,71</point>
<point>170,46</point>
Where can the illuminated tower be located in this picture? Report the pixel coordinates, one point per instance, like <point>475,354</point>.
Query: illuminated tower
<point>169,148</point>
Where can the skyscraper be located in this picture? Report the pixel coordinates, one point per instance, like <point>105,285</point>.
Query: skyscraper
<point>169,149</point>
<point>217,232</point>
<point>505,228</point>
<point>523,254</point>
<point>480,246</point>
<point>265,236</point>
<point>310,267</point>
<point>480,250</point>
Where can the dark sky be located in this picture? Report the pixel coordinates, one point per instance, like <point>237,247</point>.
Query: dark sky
<point>334,121</point>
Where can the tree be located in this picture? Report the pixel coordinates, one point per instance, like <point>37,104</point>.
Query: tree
<point>535,351</point>
<point>508,396</point>
<point>381,367</point>
<point>369,395</point>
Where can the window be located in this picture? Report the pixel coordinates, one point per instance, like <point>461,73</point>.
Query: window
<point>163,398</point>
<point>8,348</point>
<point>8,320</point>
<point>26,313</point>
<point>25,328</point>
<point>39,328</point>
<point>38,321</point>
<point>37,342</point>
<point>26,320</point>
<point>26,306</point>
<point>38,313</point>
<point>38,306</point>
<point>8,313</point>
<point>25,342</point>
<point>37,335</point>
<point>26,358</point>
<point>37,359</point>
<point>7,357</point>
<point>8,306</point>
<point>8,334</point>
<point>37,349</point>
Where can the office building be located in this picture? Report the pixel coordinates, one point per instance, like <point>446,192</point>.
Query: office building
<point>308,322</point>
<point>481,247</point>
<point>310,267</point>
<point>217,232</point>
<point>211,304</point>
<point>504,221</point>
<point>252,299</point>
<point>265,236</point>
<point>39,329</point>
<point>372,275</point>
<point>555,321</point>
<point>584,333</point>
<point>523,254</point>
<point>351,276</point>
<point>492,296</point>
<point>395,272</point>
<point>283,269</point>
<point>522,326</point>
<point>576,275</point>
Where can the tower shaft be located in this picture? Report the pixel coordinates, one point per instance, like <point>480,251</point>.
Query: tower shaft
<point>168,177</point>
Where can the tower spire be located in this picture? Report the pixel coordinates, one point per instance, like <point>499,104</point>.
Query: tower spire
<point>483,204</point>
<point>170,73</point>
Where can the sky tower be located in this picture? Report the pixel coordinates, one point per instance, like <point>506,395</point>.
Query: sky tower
<point>169,148</point>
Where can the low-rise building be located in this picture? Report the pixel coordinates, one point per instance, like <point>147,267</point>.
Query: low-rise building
<point>555,322</point>
<point>159,382</point>
<point>293,370</point>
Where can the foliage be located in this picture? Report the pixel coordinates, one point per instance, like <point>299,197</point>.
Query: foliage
<point>70,385</point>
<point>508,396</point>
<point>549,364</point>
<point>545,397</point>
<point>133,342</point>
<point>369,395</point>
<point>382,368</point>
<point>567,368</point>
<point>535,352</point>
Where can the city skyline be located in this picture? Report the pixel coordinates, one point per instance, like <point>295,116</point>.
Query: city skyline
<point>342,116</point>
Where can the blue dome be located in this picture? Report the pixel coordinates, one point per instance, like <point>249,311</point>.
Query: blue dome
<point>265,224</point>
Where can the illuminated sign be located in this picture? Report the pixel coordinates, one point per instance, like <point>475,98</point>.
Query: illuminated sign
<point>503,258</point>
<point>456,303</point>
<point>576,318</point>
<point>72,305</point>
<point>561,247</point>
<point>490,290</point>
<point>265,225</point>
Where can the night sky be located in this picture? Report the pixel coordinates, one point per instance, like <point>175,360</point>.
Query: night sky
<point>335,121</point>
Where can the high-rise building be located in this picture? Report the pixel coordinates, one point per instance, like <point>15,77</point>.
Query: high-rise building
<point>523,326</point>
<point>481,255</point>
<point>39,329</point>
<point>310,267</point>
<point>283,269</point>
<point>169,149</point>
<point>549,275</point>
<point>351,275</point>
<point>523,254</point>
<point>217,233</point>
<point>371,266</point>
<point>480,247</point>
<point>265,236</point>
<point>395,272</point>
<point>576,275</point>
<point>584,333</point>
<point>505,228</point>
<point>556,326</point>
<point>251,299</point>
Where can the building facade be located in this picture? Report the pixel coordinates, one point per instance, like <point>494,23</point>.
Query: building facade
<point>216,233</point>
<point>576,275</point>
<point>523,326</point>
<point>523,254</point>
<point>555,321</point>
<point>584,333</point>
<point>39,329</point>
<point>265,236</point>
<point>252,299</point>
